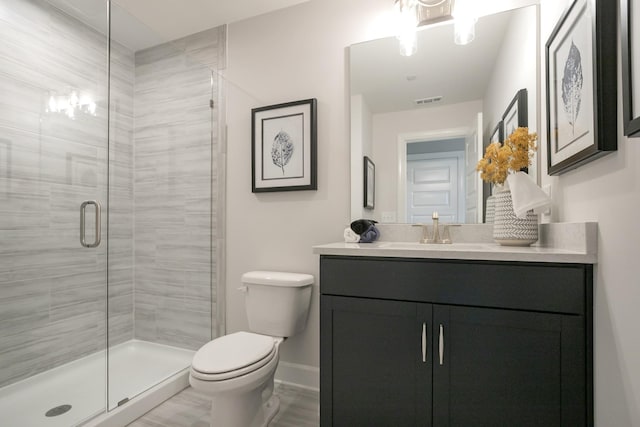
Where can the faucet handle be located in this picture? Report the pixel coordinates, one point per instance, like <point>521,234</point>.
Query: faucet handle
<point>446,235</point>
<point>425,233</point>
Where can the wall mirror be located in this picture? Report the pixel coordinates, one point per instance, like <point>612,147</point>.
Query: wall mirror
<point>425,119</point>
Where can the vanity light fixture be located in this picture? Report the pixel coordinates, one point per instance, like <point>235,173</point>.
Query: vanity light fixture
<point>412,14</point>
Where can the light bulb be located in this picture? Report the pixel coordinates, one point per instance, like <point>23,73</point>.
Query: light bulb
<point>408,44</point>
<point>407,23</point>
<point>464,29</point>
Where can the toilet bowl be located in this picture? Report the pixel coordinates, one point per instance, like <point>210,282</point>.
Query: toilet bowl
<point>236,371</point>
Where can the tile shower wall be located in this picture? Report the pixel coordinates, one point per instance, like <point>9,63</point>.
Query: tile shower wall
<point>52,290</point>
<point>174,150</point>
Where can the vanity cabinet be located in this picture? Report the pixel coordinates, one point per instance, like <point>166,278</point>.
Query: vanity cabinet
<point>423,342</point>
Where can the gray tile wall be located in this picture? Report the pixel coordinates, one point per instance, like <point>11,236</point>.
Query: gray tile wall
<point>175,152</point>
<point>52,291</point>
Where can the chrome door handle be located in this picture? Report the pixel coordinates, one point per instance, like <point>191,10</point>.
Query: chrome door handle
<point>424,342</point>
<point>83,214</point>
<point>441,345</point>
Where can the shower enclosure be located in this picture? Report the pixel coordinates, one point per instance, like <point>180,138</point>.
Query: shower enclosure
<point>111,198</point>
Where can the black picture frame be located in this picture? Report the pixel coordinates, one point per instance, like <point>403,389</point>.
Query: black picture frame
<point>516,114</point>
<point>497,135</point>
<point>630,50</point>
<point>593,124</point>
<point>369,187</point>
<point>284,147</point>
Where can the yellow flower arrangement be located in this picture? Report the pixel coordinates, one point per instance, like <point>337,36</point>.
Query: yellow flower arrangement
<point>513,155</point>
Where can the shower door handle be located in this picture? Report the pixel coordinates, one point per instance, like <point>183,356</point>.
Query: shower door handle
<point>83,214</point>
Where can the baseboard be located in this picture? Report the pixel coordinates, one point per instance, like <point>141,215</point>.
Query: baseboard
<point>299,375</point>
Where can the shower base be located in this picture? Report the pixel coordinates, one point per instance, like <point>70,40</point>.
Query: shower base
<point>134,367</point>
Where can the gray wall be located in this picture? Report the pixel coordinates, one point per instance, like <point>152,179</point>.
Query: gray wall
<point>52,291</point>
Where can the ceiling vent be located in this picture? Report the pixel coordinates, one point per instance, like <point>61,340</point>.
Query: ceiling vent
<point>426,101</point>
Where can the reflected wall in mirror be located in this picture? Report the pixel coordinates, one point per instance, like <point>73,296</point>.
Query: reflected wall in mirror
<point>425,119</point>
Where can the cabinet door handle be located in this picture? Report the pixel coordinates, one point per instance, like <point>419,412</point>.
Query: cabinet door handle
<point>441,345</point>
<point>424,342</point>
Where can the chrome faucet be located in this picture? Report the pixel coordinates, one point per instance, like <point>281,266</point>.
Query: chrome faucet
<point>435,238</point>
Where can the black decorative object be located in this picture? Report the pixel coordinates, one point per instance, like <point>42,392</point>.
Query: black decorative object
<point>630,22</point>
<point>366,229</point>
<point>284,147</point>
<point>369,183</point>
<point>581,86</point>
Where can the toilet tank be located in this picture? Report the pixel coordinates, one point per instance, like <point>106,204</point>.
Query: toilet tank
<point>277,303</point>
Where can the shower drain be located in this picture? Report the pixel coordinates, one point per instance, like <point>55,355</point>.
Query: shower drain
<point>58,410</point>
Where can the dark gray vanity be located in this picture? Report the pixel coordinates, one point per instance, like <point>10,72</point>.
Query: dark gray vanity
<point>423,341</point>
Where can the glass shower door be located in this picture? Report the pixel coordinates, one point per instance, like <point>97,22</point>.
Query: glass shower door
<point>161,199</point>
<point>53,211</point>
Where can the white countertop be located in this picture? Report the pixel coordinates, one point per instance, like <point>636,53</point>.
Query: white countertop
<point>466,251</point>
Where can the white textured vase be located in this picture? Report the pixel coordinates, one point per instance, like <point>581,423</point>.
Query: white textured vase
<point>508,229</point>
<point>490,210</point>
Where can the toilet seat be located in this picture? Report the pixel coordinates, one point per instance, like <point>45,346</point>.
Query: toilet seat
<point>233,355</point>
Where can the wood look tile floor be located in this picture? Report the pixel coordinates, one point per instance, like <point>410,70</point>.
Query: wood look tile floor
<point>298,408</point>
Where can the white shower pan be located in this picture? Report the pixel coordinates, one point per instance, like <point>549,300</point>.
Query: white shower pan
<point>143,374</point>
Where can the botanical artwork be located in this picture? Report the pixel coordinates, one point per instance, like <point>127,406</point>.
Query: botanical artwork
<point>515,115</point>
<point>572,86</point>
<point>572,98</point>
<point>283,156</point>
<point>282,149</point>
<point>369,183</point>
<point>497,134</point>
<point>511,121</point>
<point>581,81</point>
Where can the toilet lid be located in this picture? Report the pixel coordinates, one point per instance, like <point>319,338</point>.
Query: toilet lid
<point>232,352</point>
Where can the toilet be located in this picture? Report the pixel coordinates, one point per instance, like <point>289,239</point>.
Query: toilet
<point>236,371</point>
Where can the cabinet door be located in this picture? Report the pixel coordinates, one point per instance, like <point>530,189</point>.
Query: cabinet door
<point>507,368</point>
<point>372,368</point>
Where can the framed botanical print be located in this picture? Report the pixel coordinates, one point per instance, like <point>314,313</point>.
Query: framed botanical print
<point>369,183</point>
<point>516,114</point>
<point>284,147</point>
<point>498,133</point>
<point>581,86</point>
